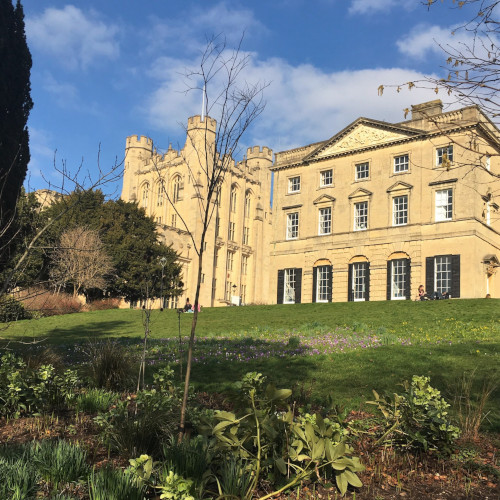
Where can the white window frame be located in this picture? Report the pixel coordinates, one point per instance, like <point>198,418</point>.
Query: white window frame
<point>326,178</point>
<point>401,163</point>
<point>442,274</point>
<point>325,221</point>
<point>247,205</point>
<point>359,274</point>
<point>289,284</point>
<point>246,235</point>
<point>231,231</point>
<point>292,225</point>
<point>400,210</point>
<point>443,208</point>
<point>233,199</point>
<point>230,260</point>
<point>322,283</point>
<point>244,264</point>
<point>362,171</point>
<point>398,279</point>
<point>360,215</point>
<point>440,154</point>
<point>294,184</point>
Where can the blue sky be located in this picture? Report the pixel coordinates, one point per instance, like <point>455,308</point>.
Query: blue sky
<point>104,70</point>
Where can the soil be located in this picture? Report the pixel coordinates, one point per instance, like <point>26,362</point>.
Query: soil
<point>472,472</point>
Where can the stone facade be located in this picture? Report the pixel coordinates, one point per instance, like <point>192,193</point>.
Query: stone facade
<point>171,187</point>
<point>379,209</point>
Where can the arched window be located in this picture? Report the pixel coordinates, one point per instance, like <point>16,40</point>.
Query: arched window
<point>233,198</point>
<point>247,204</point>
<point>159,197</point>
<point>177,188</point>
<point>145,195</point>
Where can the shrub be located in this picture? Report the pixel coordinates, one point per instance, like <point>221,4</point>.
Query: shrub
<point>111,366</point>
<point>60,462</point>
<point>418,418</point>
<point>12,310</point>
<point>102,305</point>
<point>46,303</point>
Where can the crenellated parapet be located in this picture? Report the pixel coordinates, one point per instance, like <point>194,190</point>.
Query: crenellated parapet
<point>195,122</point>
<point>139,141</point>
<point>256,153</point>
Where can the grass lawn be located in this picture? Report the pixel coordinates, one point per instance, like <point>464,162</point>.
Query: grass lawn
<point>342,350</point>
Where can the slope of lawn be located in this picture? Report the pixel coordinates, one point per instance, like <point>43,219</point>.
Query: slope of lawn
<point>337,352</point>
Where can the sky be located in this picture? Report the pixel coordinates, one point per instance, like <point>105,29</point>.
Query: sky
<point>105,70</point>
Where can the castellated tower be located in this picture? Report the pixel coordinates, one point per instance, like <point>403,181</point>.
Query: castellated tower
<point>138,149</point>
<point>172,187</point>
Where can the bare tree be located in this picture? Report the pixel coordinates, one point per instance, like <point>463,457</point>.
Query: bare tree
<point>80,260</point>
<point>232,104</point>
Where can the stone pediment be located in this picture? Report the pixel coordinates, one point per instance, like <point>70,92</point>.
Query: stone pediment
<point>360,193</point>
<point>399,186</point>
<point>324,198</point>
<point>361,134</point>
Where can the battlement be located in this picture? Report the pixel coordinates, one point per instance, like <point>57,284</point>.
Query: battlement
<point>256,153</point>
<point>139,141</point>
<point>195,122</point>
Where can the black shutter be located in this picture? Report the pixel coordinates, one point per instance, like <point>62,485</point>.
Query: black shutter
<point>389,276</point>
<point>329,275</point>
<point>455,276</point>
<point>408,279</point>
<point>298,285</point>
<point>349,284</point>
<point>367,282</point>
<point>281,286</point>
<point>429,276</point>
<point>315,281</point>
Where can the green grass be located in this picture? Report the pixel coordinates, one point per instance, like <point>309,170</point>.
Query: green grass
<point>445,339</point>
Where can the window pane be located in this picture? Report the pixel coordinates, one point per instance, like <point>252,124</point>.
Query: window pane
<point>400,210</point>
<point>398,278</point>
<point>325,221</point>
<point>323,284</point>
<point>292,229</point>
<point>444,153</point>
<point>326,178</point>
<point>362,171</point>
<point>359,275</point>
<point>401,163</point>
<point>293,184</point>
<point>289,292</point>
<point>442,271</point>
<point>444,204</point>
<point>360,216</point>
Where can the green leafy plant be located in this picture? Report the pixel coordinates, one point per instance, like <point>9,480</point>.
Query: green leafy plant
<point>95,400</point>
<point>265,439</point>
<point>12,310</point>
<point>60,462</point>
<point>111,484</point>
<point>418,418</point>
<point>174,487</point>
<point>18,479</point>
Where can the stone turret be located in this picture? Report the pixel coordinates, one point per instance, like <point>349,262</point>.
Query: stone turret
<point>138,149</point>
<point>259,161</point>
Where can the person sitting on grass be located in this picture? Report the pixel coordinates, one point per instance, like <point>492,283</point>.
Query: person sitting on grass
<point>188,307</point>
<point>421,293</point>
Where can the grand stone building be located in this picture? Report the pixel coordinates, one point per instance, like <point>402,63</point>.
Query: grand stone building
<point>171,188</point>
<point>380,208</point>
<point>369,214</point>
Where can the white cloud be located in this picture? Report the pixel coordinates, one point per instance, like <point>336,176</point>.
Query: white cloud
<point>371,6</point>
<point>77,39</point>
<point>304,103</point>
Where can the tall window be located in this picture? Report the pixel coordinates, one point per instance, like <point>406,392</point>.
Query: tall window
<point>243,294</point>
<point>217,226</point>
<point>290,284</point>
<point>244,264</point>
<point>325,220</point>
<point>231,231</point>
<point>294,184</point>
<point>216,257</point>
<point>362,171</point>
<point>230,261</point>
<point>326,178</point>
<point>359,281</point>
<point>361,216</point>
<point>247,205</point>
<point>174,220</point>
<point>400,210</point>
<point>246,236</point>
<point>444,154</point>
<point>442,274</point>
<point>176,190</point>
<point>444,204</point>
<point>159,197</point>
<point>145,195</point>
<point>228,291</point>
<point>401,164</point>
<point>292,226</point>
<point>399,277</point>
<point>323,283</point>
<point>233,199</point>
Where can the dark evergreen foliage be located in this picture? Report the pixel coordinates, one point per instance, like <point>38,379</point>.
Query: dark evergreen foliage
<point>15,106</point>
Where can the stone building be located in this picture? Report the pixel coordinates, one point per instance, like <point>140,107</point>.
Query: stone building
<point>380,208</point>
<point>171,187</point>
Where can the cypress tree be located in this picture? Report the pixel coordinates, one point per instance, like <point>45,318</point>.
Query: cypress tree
<point>15,106</point>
